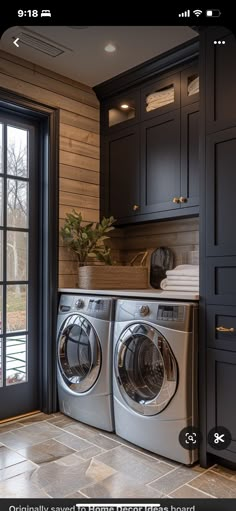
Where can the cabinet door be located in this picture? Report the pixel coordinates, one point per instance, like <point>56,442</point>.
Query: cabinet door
<point>189,80</point>
<point>221,280</point>
<point>220,80</point>
<point>221,411</point>
<point>121,111</point>
<point>160,96</point>
<point>122,185</point>
<point>221,327</point>
<point>160,163</point>
<point>190,156</point>
<point>220,193</point>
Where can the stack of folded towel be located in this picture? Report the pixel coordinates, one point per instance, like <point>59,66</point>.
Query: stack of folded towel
<point>160,98</point>
<point>182,278</point>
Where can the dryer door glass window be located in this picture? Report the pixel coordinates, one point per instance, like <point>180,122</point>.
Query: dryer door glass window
<point>146,369</point>
<point>79,354</point>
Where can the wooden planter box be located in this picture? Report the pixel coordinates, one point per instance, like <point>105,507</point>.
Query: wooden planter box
<point>113,277</point>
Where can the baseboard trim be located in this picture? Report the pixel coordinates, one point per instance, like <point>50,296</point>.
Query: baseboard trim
<point>20,417</point>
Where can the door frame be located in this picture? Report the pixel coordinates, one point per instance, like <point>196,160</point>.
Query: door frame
<point>48,121</point>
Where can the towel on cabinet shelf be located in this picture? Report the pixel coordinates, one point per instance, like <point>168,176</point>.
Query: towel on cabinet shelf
<point>184,277</point>
<point>184,270</point>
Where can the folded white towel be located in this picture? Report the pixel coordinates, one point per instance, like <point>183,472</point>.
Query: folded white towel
<point>157,104</point>
<point>185,270</point>
<point>155,96</point>
<point>184,278</point>
<point>175,286</point>
<point>181,283</point>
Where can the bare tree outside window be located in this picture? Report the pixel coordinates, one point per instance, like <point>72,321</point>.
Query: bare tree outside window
<point>17,248</point>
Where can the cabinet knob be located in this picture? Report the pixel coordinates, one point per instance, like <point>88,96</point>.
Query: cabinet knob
<point>135,207</point>
<point>176,200</point>
<point>183,199</point>
<point>224,329</point>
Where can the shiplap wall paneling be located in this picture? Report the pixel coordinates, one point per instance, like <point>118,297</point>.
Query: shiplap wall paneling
<point>79,141</point>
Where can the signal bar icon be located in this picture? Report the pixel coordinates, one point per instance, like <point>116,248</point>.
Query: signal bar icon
<point>185,14</point>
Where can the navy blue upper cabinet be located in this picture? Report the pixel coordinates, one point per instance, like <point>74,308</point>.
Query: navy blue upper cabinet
<point>221,80</point>
<point>149,140</point>
<point>120,177</point>
<point>189,195</point>
<point>160,163</point>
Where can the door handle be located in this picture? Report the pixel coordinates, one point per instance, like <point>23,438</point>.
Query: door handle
<point>176,200</point>
<point>224,329</point>
<point>135,207</point>
<point>183,199</point>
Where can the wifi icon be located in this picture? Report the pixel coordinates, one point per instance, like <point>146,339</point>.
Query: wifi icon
<point>197,12</point>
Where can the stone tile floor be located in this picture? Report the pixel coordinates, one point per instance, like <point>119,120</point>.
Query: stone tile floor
<point>55,456</point>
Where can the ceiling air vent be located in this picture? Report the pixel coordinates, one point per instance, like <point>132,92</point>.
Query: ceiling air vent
<point>39,45</point>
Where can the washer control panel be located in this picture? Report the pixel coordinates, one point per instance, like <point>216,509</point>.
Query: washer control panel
<point>91,306</point>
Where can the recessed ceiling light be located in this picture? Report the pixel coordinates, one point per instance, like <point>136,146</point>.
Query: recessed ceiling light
<point>124,106</point>
<point>110,48</point>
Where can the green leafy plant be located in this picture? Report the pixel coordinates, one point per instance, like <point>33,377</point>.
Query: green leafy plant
<point>87,240</point>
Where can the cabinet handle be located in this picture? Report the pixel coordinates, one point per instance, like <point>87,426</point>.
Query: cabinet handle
<point>135,207</point>
<point>183,199</point>
<point>176,200</point>
<point>224,329</point>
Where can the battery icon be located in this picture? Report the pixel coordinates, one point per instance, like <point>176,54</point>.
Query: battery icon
<point>213,13</point>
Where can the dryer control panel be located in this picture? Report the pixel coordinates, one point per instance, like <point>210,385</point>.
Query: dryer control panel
<point>173,315</point>
<point>170,313</point>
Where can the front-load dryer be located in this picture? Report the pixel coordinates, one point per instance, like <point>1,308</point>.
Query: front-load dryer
<point>155,380</point>
<point>84,359</point>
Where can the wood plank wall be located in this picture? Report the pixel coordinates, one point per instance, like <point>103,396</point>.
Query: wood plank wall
<point>79,140</point>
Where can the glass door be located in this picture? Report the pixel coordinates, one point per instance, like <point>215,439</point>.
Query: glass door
<point>146,369</point>
<point>79,354</point>
<point>19,350</point>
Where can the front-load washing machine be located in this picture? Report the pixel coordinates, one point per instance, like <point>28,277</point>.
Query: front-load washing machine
<point>155,375</point>
<point>84,359</point>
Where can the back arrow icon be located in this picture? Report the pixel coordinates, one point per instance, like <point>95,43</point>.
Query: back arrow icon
<point>15,42</point>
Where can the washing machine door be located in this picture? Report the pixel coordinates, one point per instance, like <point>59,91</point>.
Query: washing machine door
<point>79,353</point>
<point>145,368</point>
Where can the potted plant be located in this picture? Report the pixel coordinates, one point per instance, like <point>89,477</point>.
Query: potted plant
<point>87,241</point>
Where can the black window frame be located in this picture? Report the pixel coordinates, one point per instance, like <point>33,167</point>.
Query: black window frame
<point>47,119</point>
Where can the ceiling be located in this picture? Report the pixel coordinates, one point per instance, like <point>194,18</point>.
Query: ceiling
<point>80,50</point>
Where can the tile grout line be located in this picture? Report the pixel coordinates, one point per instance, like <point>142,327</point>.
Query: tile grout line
<point>143,453</point>
<point>222,475</point>
<point>87,447</point>
<point>202,491</point>
<point>84,495</point>
<point>21,473</point>
<point>163,475</point>
<point>38,443</point>
<point>187,482</point>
